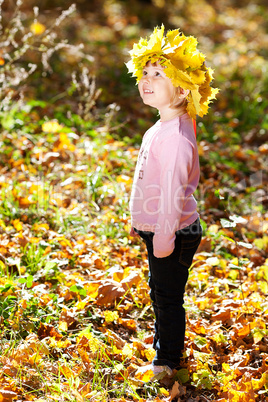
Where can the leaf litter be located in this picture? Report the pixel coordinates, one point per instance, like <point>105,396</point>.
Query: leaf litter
<point>76,319</point>
<point>76,314</point>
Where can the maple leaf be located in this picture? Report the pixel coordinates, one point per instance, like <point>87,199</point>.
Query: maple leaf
<point>51,126</point>
<point>182,63</point>
<point>144,375</point>
<point>7,395</point>
<point>109,292</point>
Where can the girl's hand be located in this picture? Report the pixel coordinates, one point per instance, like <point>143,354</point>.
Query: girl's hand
<point>132,232</point>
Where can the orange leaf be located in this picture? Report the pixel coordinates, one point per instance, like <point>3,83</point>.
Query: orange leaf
<point>128,324</point>
<point>222,315</point>
<point>244,331</point>
<point>144,375</point>
<point>117,274</point>
<point>24,202</point>
<point>92,288</point>
<point>66,371</point>
<point>7,395</point>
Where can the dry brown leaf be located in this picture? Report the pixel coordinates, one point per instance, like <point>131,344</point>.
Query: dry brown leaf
<point>77,395</point>
<point>205,245</point>
<point>175,392</point>
<point>109,292</point>
<point>85,389</point>
<point>22,240</point>
<point>222,315</point>
<point>114,338</point>
<point>132,279</point>
<point>67,316</point>
<point>47,330</point>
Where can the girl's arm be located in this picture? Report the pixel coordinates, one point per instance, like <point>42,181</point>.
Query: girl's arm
<point>175,157</point>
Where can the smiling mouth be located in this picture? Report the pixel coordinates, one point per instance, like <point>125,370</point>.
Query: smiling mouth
<point>147,91</point>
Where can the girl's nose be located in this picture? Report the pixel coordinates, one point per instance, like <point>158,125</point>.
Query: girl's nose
<point>146,78</point>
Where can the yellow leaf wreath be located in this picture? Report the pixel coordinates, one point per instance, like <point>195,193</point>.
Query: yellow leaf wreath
<point>183,64</point>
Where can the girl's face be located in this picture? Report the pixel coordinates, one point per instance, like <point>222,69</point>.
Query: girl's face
<point>155,88</point>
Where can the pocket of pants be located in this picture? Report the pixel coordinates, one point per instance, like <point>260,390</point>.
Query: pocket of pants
<point>189,245</point>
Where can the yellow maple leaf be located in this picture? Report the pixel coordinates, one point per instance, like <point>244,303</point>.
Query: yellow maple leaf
<point>259,383</point>
<point>128,351</point>
<point>110,316</point>
<point>144,376</point>
<point>198,76</point>
<point>40,227</point>
<point>149,354</point>
<point>63,326</point>
<point>51,126</point>
<point>183,64</point>
<point>92,289</point>
<point>17,224</point>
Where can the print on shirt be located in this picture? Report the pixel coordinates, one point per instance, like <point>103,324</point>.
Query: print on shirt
<point>141,160</point>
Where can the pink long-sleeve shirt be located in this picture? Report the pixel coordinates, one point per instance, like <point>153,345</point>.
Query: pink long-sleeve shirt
<point>166,176</point>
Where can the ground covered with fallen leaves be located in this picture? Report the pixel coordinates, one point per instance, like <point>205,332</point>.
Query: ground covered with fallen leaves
<point>75,314</point>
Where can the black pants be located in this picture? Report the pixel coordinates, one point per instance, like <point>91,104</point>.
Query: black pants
<point>167,280</point>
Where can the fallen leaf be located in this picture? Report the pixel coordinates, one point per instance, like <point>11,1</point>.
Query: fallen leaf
<point>175,392</point>
<point>6,395</point>
<point>109,292</point>
<point>144,374</point>
<point>128,324</point>
<point>132,279</point>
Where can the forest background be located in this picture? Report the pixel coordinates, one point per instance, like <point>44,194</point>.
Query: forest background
<point>76,319</point>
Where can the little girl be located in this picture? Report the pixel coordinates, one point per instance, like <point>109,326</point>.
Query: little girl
<point>172,77</point>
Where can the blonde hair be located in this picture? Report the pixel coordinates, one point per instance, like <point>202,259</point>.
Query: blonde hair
<point>176,101</point>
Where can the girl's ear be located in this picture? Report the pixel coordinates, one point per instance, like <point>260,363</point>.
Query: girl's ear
<point>184,93</point>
